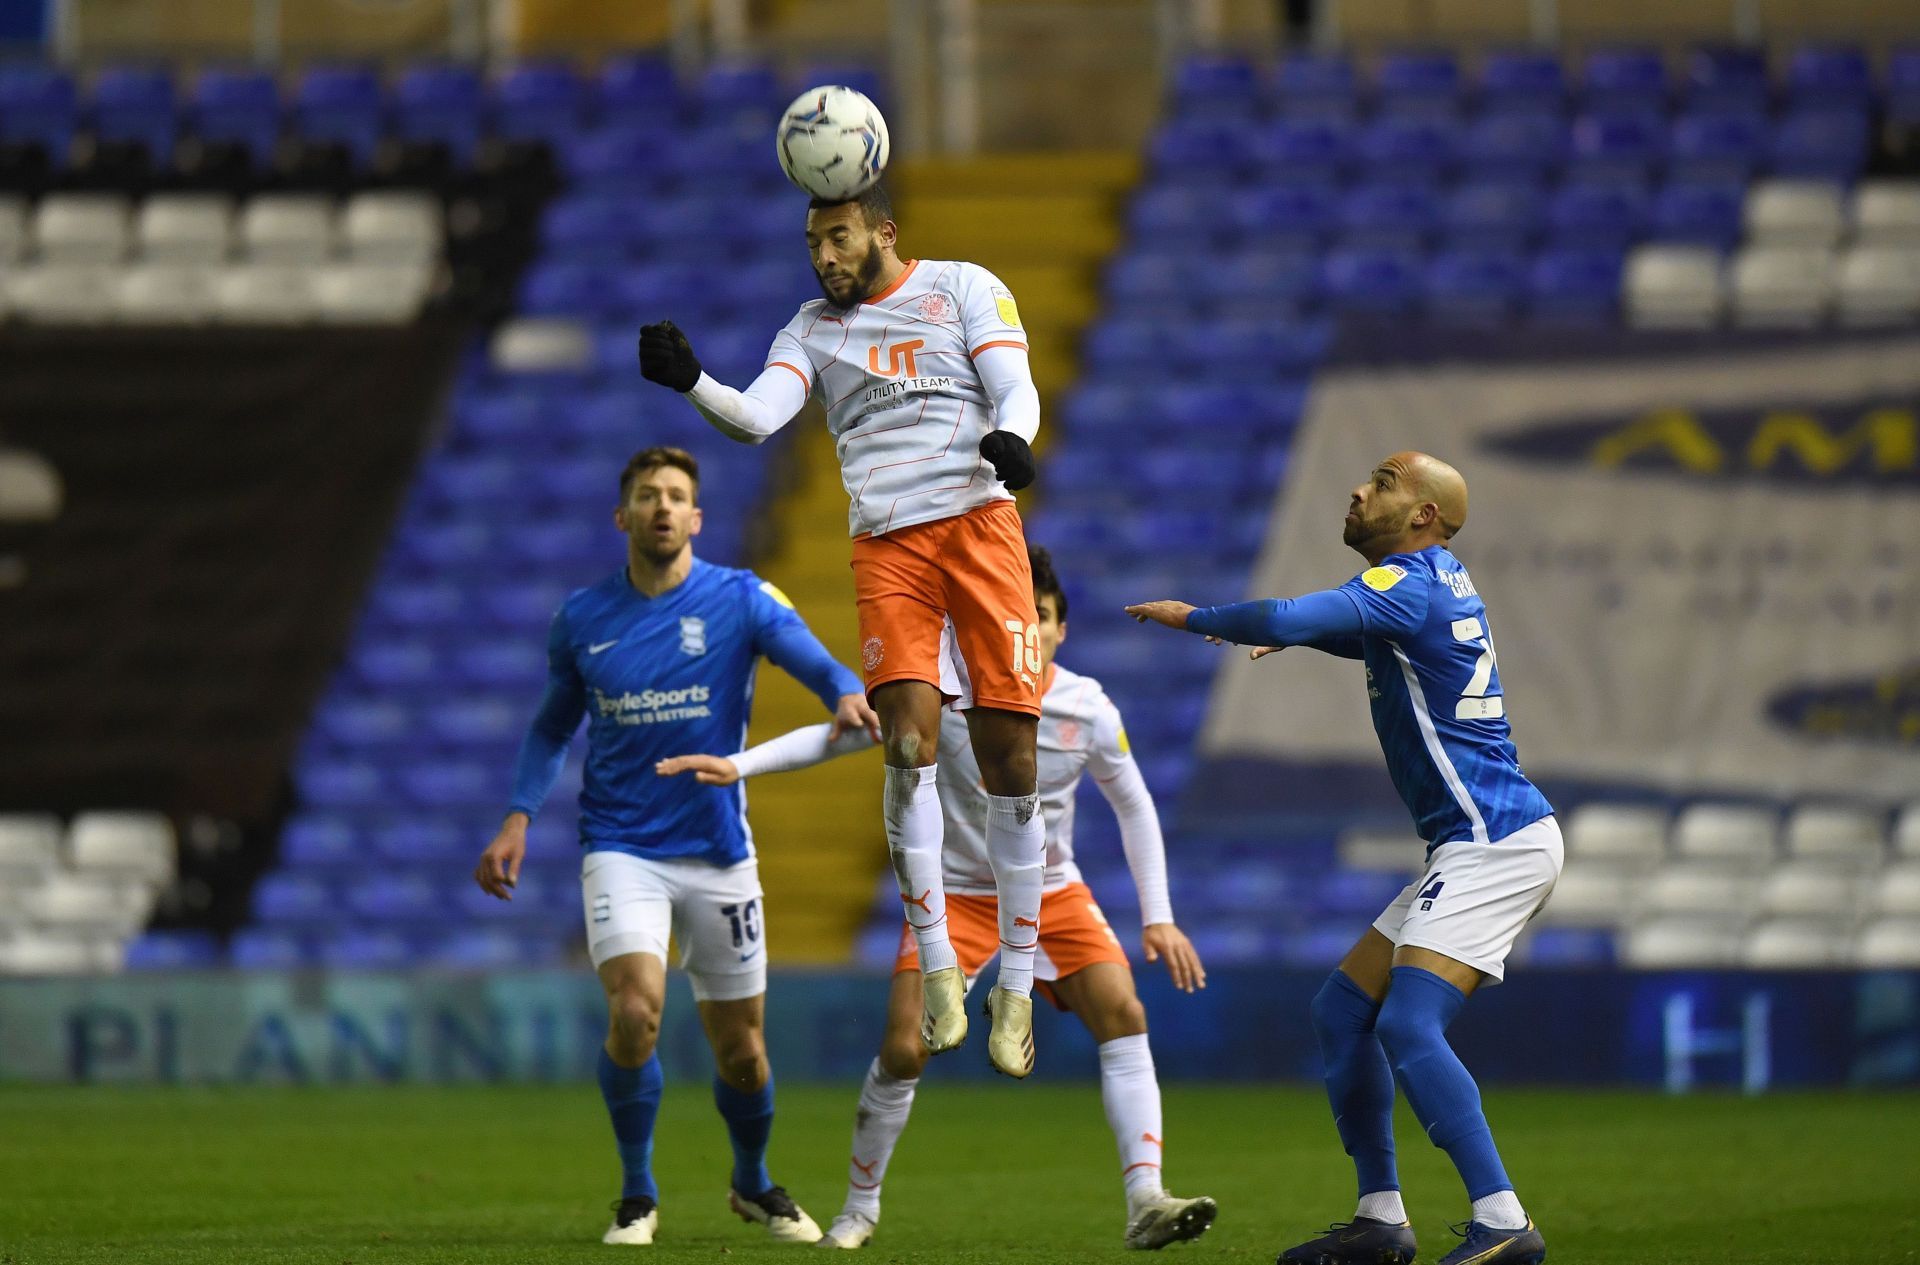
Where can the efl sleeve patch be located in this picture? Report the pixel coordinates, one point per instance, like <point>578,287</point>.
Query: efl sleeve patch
<point>772,590</point>
<point>1126,748</point>
<point>1380,579</point>
<point>1009,311</point>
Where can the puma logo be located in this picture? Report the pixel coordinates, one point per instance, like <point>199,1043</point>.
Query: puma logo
<point>1018,921</point>
<point>866,1168</point>
<point>919,902</point>
<point>1148,1137</point>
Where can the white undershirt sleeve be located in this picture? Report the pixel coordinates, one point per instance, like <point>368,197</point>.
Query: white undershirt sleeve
<point>1117,774</point>
<point>799,749</point>
<point>750,416</point>
<point>1008,377</point>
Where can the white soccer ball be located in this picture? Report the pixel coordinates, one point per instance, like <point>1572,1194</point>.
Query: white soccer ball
<point>832,142</point>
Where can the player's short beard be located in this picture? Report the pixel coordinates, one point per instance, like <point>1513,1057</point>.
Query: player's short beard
<point>1359,531</point>
<point>865,275</point>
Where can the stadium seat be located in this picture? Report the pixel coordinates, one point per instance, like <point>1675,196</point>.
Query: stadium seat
<point>1613,76</point>
<point>1885,213</point>
<point>1605,214</point>
<point>267,949</point>
<point>1493,215</point>
<point>440,103</point>
<point>1673,287</point>
<point>430,839</point>
<point>1514,146</point>
<point>1417,76</point>
<point>174,951</point>
<point>1889,943</point>
<point>58,953</point>
<point>1820,145</point>
<point>358,949</point>
<point>37,106</point>
<point>1387,215</point>
<point>1305,148</point>
<point>1304,79</point>
<point>1836,834</point>
<point>637,87</point>
<point>1578,287</point>
<point>392,228</point>
<point>1522,81</point>
<point>541,347</point>
<point>1216,83</point>
<point>1402,147</point>
<point>541,101</point>
<point>370,293</point>
<point>184,229</point>
<point>14,236</point>
<point>133,846</point>
<point>1782,286</point>
<point>238,104</point>
<point>1283,216</point>
<point>1590,894</point>
<point>1878,285</point>
<point>1474,288</point>
<point>1672,943</point>
<point>1619,834</point>
<point>1717,146</point>
<point>1809,889</point>
<point>1617,144</point>
<point>342,104</point>
<point>288,229</point>
<point>1561,948</point>
<point>135,103</point>
<point>1906,832</point>
<point>1794,213</point>
<point>1371,282</point>
<point>730,88</point>
<point>1796,943</point>
<point>1699,214</point>
<point>159,294</point>
<point>1725,832</point>
<point>265,294</point>
<point>52,295</point>
<point>29,848</point>
<point>1727,78</point>
<point>86,904</point>
<point>81,229</point>
<point>321,841</point>
<point>1896,891</point>
<point>1829,75</point>
<point>1703,890</point>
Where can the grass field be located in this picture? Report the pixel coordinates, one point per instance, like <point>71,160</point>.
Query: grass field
<point>996,1173</point>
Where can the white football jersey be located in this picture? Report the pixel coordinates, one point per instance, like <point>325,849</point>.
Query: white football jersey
<point>1080,732</point>
<point>906,408</point>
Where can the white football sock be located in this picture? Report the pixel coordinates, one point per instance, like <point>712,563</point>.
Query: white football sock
<point>914,833</point>
<point>1382,1205</point>
<point>1131,1094</point>
<point>1501,1211</point>
<point>884,1104</point>
<point>1017,850</point>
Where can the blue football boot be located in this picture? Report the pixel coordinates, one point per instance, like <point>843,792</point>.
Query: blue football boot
<point>1485,1245</point>
<point>1361,1241</point>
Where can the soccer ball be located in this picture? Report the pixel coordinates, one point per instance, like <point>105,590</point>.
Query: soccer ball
<point>832,142</point>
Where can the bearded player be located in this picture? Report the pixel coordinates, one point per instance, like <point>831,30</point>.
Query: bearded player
<point>921,366</point>
<point>1081,965</point>
<point>1493,855</point>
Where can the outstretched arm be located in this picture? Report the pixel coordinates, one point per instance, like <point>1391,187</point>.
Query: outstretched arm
<point>750,416</point>
<point>1298,621</point>
<point>799,749</point>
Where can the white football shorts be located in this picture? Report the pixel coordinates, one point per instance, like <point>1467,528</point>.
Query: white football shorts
<point>718,915</point>
<point>1475,899</point>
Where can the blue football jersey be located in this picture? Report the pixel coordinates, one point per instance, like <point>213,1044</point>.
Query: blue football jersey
<point>1433,682</point>
<point>658,677</point>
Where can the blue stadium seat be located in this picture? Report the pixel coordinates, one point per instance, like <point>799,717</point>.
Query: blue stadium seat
<point>1522,80</point>
<point>1474,288</point>
<point>1220,84</point>
<point>267,949</point>
<point>1574,287</point>
<point>1608,213</point>
<point>1829,77</point>
<point>638,87</point>
<point>540,100</point>
<point>1617,143</point>
<point>508,663</point>
<point>1720,77</point>
<point>320,841</point>
<point>1421,75</point>
<point>37,106</point>
<point>1294,215</point>
<point>861,78</point>
<point>1147,278</point>
<point>1313,79</point>
<point>469,480</point>
<point>394,897</point>
<point>1821,145</point>
<point>1190,148</point>
<point>493,948</point>
<point>1305,147</point>
<point>589,229</point>
<point>135,103</point>
<point>728,90</point>
<point>478,722</point>
<point>429,840</point>
<point>1250,348</point>
<point>1371,282</point>
<point>1494,215</point>
<point>1127,349</point>
<point>356,949</point>
<point>449,543</point>
<point>395,663</point>
<point>238,104</point>
<point>1615,75</point>
<point>1405,147</point>
<point>1723,144</point>
<point>1515,146</point>
<point>1903,85</point>
<point>1561,947</point>
<point>341,783</point>
<point>343,104</point>
<point>1358,892</point>
<point>1273,281</point>
<point>1388,214</point>
<point>441,604</point>
<point>294,900</point>
<point>357,723</point>
<point>444,103</point>
<point>530,604</point>
<point>1316,948</point>
<point>566,287</point>
<point>1709,214</point>
<point>174,951</point>
<point>503,417</point>
<point>536,900</point>
<point>1170,211</point>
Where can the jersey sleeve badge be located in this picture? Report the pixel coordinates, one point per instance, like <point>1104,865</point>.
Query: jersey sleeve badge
<point>1380,579</point>
<point>772,590</point>
<point>1008,309</point>
<point>1126,747</point>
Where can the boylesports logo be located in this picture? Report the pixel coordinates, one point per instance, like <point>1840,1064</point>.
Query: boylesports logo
<point>653,707</point>
<point>872,652</point>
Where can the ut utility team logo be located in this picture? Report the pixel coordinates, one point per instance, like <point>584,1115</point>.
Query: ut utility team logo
<point>900,359</point>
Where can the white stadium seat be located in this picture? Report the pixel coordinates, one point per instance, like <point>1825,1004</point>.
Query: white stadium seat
<point>86,904</point>
<point>1892,942</point>
<point>288,228</point>
<point>1794,213</point>
<point>29,848</point>
<point>1906,832</point>
<point>265,294</point>
<point>1674,287</point>
<point>1797,942</point>
<point>1725,831</point>
<point>1878,285</point>
<point>30,487</point>
<point>1782,287</point>
<point>371,294</point>
<point>1887,212</point>
<point>81,228</point>
<point>1835,833</point>
<point>1590,894</point>
<point>13,228</point>
<point>185,228</point>
<point>1705,891</point>
<point>393,227</point>
<point>63,295</point>
<point>1896,891</point>
<point>1811,889</point>
<point>58,954</point>
<point>1621,833</point>
<point>1383,851</point>
<point>541,345</point>
<point>166,294</point>
<point>1680,942</point>
<point>129,845</point>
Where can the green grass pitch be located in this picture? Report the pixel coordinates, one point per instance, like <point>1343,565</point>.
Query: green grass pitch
<point>995,1173</point>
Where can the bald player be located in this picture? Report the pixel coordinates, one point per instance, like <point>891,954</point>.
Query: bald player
<point>1493,854</point>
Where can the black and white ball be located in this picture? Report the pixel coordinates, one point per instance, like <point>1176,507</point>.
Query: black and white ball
<point>832,142</point>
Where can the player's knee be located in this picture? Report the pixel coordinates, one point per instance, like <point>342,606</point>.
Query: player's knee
<point>634,1023</point>
<point>907,747</point>
<point>1332,1008</point>
<point>903,1056</point>
<point>1124,1017</point>
<point>1010,771</point>
<point>742,1062</point>
<point>1404,1030</point>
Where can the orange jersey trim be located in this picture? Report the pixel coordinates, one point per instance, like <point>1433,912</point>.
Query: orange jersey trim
<point>1004,342</point>
<point>795,372</point>
<point>897,283</point>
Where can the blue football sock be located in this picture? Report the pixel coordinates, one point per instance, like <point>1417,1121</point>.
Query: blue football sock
<point>749,1118</point>
<point>1412,1026</point>
<point>1359,1082</point>
<point>633,1103</point>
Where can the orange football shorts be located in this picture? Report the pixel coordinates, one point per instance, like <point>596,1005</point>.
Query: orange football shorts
<point>1073,936</point>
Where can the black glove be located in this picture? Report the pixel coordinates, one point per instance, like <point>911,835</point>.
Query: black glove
<point>667,358</point>
<point>1012,459</point>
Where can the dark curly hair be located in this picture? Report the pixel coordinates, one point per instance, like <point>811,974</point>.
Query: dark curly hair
<point>1045,582</point>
